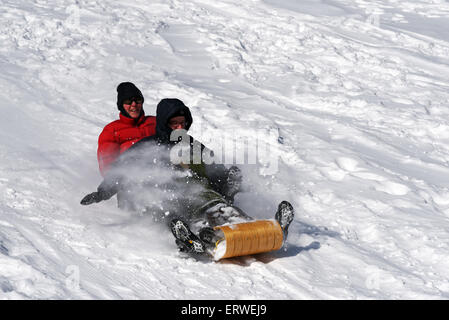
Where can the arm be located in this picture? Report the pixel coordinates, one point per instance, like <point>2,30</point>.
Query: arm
<point>105,191</point>
<point>114,177</point>
<point>225,181</point>
<point>108,149</point>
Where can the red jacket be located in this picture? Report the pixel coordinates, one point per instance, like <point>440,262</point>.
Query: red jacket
<point>121,134</point>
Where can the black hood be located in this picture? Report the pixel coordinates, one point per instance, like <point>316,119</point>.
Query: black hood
<point>167,109</point>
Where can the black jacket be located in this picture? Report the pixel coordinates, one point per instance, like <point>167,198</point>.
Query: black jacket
<point>157,148</point>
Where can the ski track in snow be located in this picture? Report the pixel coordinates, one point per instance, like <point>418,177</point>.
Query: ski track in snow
<point>351,98</point>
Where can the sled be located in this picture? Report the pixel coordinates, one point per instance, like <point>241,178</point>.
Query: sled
<point>234,239</point>
<point>247,238</point>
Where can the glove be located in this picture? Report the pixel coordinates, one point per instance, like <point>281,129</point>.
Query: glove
<point>93,197</point>
<point>105,191</point>
<point>98,196</point>
<point>233,183</point>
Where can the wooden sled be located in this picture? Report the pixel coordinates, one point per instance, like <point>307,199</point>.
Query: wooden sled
<point>247,238</point>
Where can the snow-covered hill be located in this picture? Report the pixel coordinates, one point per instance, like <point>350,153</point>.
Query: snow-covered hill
<point>350,100</point>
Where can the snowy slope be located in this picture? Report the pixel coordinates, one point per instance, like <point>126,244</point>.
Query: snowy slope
<point>350,100</point>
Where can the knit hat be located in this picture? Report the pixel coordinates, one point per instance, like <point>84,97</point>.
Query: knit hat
<point>126,90</point>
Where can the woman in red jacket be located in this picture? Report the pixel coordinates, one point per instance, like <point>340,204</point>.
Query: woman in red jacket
<point>132,126</point>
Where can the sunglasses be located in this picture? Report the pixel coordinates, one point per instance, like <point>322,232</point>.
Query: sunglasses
<point>135,99</point>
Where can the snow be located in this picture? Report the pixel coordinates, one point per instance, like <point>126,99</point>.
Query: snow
<point>348,102</point>
<point>220,250</point>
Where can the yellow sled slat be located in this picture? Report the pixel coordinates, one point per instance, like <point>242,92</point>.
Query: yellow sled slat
<point>251,238</point>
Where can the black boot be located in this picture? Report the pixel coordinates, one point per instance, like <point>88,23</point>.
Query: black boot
<point>185,239</point>
<point>284,215</point>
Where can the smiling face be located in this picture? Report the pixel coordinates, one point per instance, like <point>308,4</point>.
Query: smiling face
<point>133,107</point>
